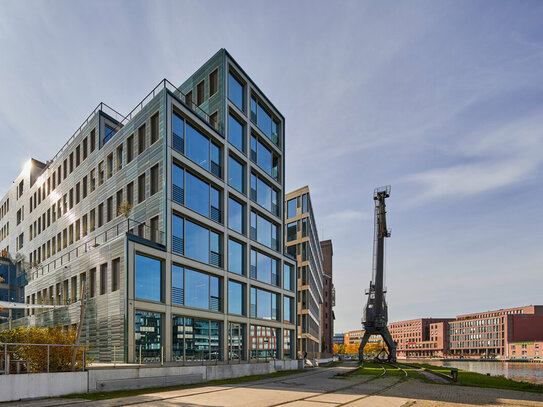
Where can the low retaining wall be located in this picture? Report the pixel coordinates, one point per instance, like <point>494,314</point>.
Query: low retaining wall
<point>25,386</point>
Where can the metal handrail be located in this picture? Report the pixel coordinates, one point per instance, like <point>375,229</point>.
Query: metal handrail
<point>49,345</point>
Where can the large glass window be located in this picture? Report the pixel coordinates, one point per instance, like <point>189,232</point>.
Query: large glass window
<point>288,343</point>
<point>263,342</point>
<point>178,338</point>
<point>178,245</point>
<point>178,133</point>
<point>109,132</point>
<point>235,298</point>
<point>291,231</point>
<point>236,133</point>
<point>264,231</point>
<point>264,267</point>
<point>263,120</point>
<point>202,290</point>
<point>148,336</point>
<point>178,285</point>
<point>288,309</point>
<point>264,158</point>
<point>235,257</point>
<point>197,242</point>
<point>197,197</point>
<point>304,203</point>
<point>178,184</point>
<point>264,195</point>
<point>288,277</point>
<point>235,216</point>
<point>235,91</point>
<point>292,208</point>
<point>236,174</point>
<point>200,339</point>
<point>148,280</point>
<point>197,147</point>
<point>263,304</point>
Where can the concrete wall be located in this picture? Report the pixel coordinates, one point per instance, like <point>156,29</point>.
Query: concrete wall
<point>24,386</point>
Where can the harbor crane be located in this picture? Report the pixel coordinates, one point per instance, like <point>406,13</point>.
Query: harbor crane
<point>375,317</point>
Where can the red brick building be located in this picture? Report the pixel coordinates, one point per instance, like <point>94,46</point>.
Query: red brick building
<point>526,350</point>
<point>354,337</point>
<point>328,298</point>
<point>423,337</point>
<point>488,334</point>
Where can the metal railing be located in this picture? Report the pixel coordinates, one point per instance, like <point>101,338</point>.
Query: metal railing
<point>125,226</point>
<point>34,366</point>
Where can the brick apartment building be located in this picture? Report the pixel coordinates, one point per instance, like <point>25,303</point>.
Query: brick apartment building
<point>422,337</point>
<point>525,350</point>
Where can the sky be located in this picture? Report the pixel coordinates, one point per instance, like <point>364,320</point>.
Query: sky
<point>442,100</point>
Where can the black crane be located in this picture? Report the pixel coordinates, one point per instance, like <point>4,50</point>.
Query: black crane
<point>375,318</point>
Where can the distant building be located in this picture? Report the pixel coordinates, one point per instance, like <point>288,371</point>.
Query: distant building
<point>354,337</point>
<point>302,242</point>
<point>328,298</point>
<point>339,339</point>
<point>422,337</point>
<point>525,350</point>
<point>12,282</point>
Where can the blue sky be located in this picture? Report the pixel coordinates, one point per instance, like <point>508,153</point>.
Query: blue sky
<point>442,100</point>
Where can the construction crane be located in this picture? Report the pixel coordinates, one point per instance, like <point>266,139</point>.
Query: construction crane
<point>375,318</point>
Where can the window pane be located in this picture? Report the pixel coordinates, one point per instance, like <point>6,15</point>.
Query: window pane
<point>264,268</point>
<point>263,231</point>
<point>235,174</point>
<point>291,208</point>
<point>291,231</point>
<point>197,289</point>
<point>177,285</point>
<point>235,215</point>
<point>235,298</point>
<point>148,280</point>
<point>288,277</point>
<point>253,302</point>
<point>304,203</point>
<point>287,309</point>
<point>264,121</point>
<point>264,158</point>
<point>235,91</point>
<point>197,194</point>
<point>197,147</point>
<point>178,334</point>
<point>148,336</point>
<point>263,305</point>
<point>178,126</point>
<point>235,257</point>
<point>177,234</point>
<point>197,242</point>
<point>235,133</point>
<point>264,195</point>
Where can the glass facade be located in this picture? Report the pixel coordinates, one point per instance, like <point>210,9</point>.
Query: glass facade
<point>236,174</point>
<point>148,336</point>
<point>236,133</point>
<point>263,342</point>
<point>264,231</point>
<point>288,309</point>
<point>291,208</point>
<point>263,304</point>
<point>264,195</point>
<point>288,277</point>
<point>195,339</point>
<point>264,268</point>
<point>236,92</point>
<point>201,290</point>
<point>235,341</point>
<point>235,257</point>
<point>235,216</point>
<point>235,298</point>
<point>148,278</point>
<point>200,244</point>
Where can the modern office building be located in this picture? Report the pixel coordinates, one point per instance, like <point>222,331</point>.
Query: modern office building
<point>172,218</point>
<point>422,337</point>
<point>302,241</point>
<point>12,283</point>
<point>489,333</point>
<point>355,337</point>
<point>329,298</point>
<point>339,339</point>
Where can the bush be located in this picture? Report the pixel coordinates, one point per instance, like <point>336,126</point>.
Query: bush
<point>60,357</point>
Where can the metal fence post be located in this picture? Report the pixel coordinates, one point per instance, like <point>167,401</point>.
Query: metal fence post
<point>47,358</point>
<point>6,369</point>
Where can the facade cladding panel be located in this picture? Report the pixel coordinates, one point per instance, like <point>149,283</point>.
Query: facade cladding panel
<point>302,242</point>
<point>154,262</point>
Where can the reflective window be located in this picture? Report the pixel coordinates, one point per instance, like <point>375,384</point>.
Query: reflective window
<point>202,290</point>
<point>177,235</point>
<point>263,304</point>
<point>291,208</point>
<point>263,231</point>
<point>235,298</point>
<point>264,268</point>
<point>235,91</point>
<point>264,194</point>
<point>178,338</point>
<point>148,336</point>
<point>263,342</point>
<point>304,203</point>
<point>178,184</point>
<point>264,158</point>
<point>197,242</point>
<point>178,133</point>
<point>263,120</point>
<point>235,133</point>
<point>288,277</point>
<point>148,278</point>
<point>177,285</point>
<point>201,339</point>
<point>108,133</point>
<point>288,314</point>
<point>304,227</point>
<point>197,147</point>
<point>236,174</point>
<point>288,343</point>
<point>291,231</point>
<point>197,194</point>
<point>235,257</point>
<point>235,216</point>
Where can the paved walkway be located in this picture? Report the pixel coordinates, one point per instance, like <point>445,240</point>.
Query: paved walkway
<point>319,387</point>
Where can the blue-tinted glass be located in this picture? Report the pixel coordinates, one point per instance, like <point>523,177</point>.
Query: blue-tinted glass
<point>108,133</point>
<point>215,152</point>
<point>275,237</point>
<point>264,194</point>
<point>235,215</point>
<point>148,335</point>
<point>287,309</point>
<point>235,298</point>
<point>148,278</point>
<point>177,285</point>
<point>178,126</point>
<point>197,147</point>
<point>254,147</point>
<point>215,198</point>
<point>275,202</point>
<point>177,234</point>
<point>235,91</point>
<point>253,109</point>
<point>196,289</point>
<point>263,231</point>
<point>178,334</point>
<point>196,242</point>
<point>263,304</point>
<point>214,286</point>
<point>304,203</point>
<point>197,194</point>
<point>177,176</point>
<point>235,133</point>
<point>264,158</point>
<point>264,121</point>
<point>263,267</point>
<point>235,174</point>
<point>291,208</point>
<point>235,257</point>
<point>253,302</point>
<point>215,241</point>
<point>275,132</point>
<point>287,277</point>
